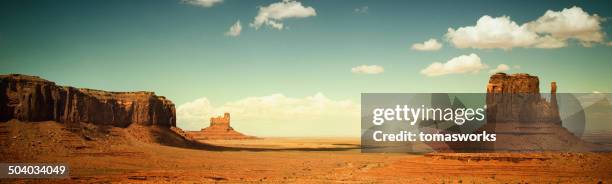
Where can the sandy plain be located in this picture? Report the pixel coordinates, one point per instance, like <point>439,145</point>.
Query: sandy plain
<point>153,155</point>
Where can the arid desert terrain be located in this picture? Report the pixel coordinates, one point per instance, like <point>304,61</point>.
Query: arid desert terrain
<point>151,155</point>
<point>125,137</point>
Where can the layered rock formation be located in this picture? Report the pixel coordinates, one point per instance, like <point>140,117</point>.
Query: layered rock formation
<point>523,119</point>
<point>30,98</point>
<point>516,98</point>
<point>219,129</point>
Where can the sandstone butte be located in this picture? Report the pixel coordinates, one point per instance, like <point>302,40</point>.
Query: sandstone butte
<point>219,129</point>
<point>523,119</point>
<point>33,99</point>
<point>516,98</point>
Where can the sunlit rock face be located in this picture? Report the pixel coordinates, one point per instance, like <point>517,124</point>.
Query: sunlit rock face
<point>32,99</point>
<point>524,119</point>
<point>516,98</point>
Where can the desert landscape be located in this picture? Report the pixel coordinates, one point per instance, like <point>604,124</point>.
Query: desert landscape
<point>305,91</point>
<point>137,154</point>
<point>46,123</point>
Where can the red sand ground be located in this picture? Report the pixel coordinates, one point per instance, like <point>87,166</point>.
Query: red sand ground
<point>152,155</point>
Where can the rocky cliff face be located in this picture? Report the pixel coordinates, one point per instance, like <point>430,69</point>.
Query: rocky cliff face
<point>516,98</point>
<point>524,119</point>
<point>30,98</point>
<point>516,83</point>
<point>223,121</point>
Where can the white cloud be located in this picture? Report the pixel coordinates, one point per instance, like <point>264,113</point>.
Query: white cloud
<point>202,3</point>
<point>489,32</point>
<point>235,30</point>
<point>552,30</point>
<point>273,14</point>
<point>363,9</point>
<point>429,45</point>
<point>500,68</point>
<point>368,69</point>
<point>277,115</point>
<point>549,42</point>
<point>570,23</point>
<point>194,115</point>
<point>458,65</point>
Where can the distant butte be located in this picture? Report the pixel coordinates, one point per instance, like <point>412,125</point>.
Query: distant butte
<point>219,129</point>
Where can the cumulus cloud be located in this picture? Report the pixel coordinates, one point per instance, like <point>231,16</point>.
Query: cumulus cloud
<point>490,32</point>
<point>549,42</point>
<point>234,30</point>
<point>429,45</point>
<point>458,65</point>
<point>500,68</point>
<point>570,23</point>
<point>202,3</point>
<point>363,9</point>
<point>273,14</point>
<point>277,115</point>
<point>552,30</point>
<point>368,69</point>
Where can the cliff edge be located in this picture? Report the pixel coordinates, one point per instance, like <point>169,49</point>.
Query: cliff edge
<point>33,99</point>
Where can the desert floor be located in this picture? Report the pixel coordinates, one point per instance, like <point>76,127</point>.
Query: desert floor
<point>149,155</point>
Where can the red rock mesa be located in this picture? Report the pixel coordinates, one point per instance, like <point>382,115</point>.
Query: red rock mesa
<point>33,99</point>
<point>219,129</point>
<point>523,119</point>
<point>516,98</point>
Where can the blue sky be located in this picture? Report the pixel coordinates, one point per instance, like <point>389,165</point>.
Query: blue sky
<point>179,50</point>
